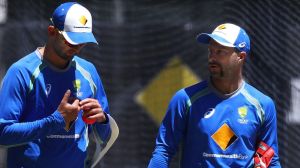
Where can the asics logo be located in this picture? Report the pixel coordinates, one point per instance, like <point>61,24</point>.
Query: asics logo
<point>242,45</point>
<point>48,89</point>
<point>209,113</point>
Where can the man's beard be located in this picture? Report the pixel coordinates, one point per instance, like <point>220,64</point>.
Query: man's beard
<point>63,55</point>
<point>218,74</point>
<point>66,57</point>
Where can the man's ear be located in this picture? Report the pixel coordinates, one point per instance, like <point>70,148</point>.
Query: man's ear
<point>242,55</point>
<point>51,31</point>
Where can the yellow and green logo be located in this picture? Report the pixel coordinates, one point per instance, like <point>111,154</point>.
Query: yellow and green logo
<point>77,84</point>
<point>243,111</point>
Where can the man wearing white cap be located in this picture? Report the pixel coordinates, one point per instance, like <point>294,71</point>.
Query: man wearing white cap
<point>222,121</point>
<point>51,99</point>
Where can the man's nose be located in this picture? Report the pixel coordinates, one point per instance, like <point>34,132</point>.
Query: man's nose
<point>212,55</point>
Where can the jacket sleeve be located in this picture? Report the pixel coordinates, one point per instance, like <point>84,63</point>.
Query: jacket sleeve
<point>102,130</point>
<point>170,132</point>
<point>13,94</point>
<point>268,133</point>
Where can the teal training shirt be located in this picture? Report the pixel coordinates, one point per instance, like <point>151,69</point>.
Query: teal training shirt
<point>216,130</point>
<point>30,124</point>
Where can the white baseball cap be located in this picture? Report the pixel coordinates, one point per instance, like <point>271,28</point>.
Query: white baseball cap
<point>229,35</point>
<point>75,23</point>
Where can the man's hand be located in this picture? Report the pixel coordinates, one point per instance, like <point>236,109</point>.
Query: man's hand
<point>69,110</point>
<point>92,111</point>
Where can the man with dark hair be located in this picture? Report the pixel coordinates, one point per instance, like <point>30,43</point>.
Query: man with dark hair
<point>51,99</point>
<point>222,121</point>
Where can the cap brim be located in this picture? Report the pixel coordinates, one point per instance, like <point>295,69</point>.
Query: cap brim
<point>205,38</point>
<point>76,38</point>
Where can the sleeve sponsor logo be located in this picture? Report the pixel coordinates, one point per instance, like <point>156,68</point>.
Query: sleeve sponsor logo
<point>230,156</point>
<point>75,136</point>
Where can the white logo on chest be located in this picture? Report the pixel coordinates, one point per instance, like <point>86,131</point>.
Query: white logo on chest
<point>48,89</point>
<point>209,113</point>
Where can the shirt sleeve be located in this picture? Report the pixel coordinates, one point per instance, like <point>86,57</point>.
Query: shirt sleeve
<point>13,94</point>
<point>170,132</point>
<point>268,132</point>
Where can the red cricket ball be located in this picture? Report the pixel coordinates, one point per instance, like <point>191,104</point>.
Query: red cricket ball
<point>87,120</point>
